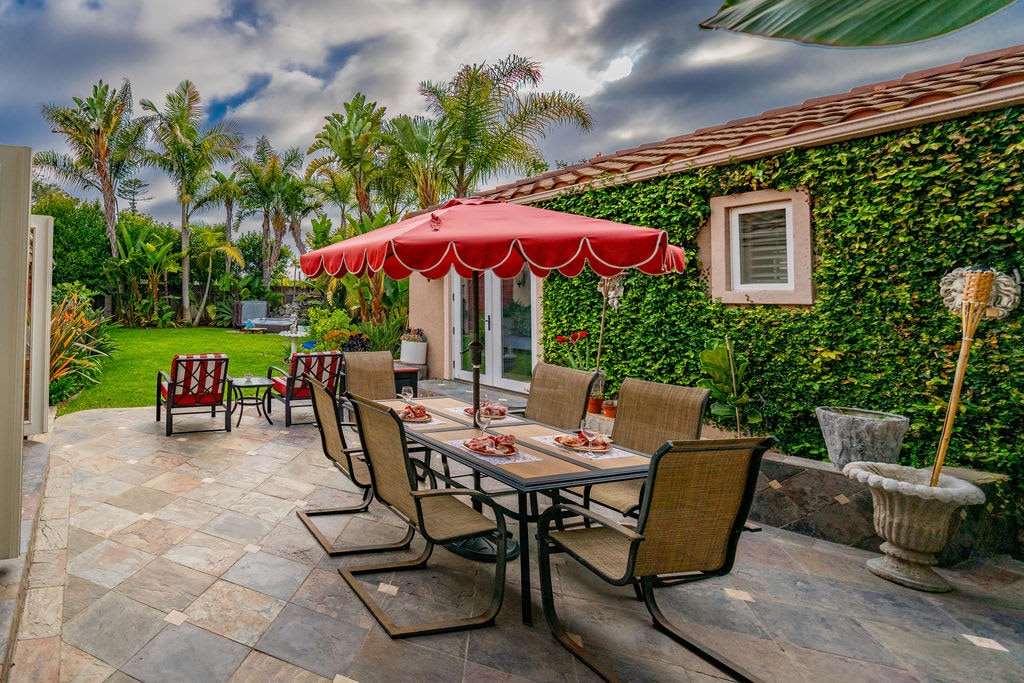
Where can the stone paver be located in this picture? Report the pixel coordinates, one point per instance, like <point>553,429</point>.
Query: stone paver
<point>182,558</point>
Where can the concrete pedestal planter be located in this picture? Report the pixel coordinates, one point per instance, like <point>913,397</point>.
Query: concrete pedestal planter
<point>853,434</point>
<point>914,518</point>
<point>413,352</point>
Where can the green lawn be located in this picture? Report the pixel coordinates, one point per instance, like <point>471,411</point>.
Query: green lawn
<point>129,375</point>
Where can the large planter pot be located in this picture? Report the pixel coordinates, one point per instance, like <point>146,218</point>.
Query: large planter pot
<point>413,352</point>
<point>914,518</point>
<point>852,434</point>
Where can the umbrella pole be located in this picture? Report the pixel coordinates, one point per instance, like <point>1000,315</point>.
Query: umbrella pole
<point>475,346</point>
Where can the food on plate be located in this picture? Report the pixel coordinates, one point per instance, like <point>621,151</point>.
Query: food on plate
<point>498,444</point>
<point>414,414</point>
<point>492,409</point>
<point>585,442</point>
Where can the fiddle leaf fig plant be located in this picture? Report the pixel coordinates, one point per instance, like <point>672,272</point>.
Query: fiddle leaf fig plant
<point>730,395</point>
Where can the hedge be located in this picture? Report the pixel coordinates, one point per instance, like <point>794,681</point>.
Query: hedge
<point>891,214</point>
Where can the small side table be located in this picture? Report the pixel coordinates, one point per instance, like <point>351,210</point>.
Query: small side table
<point>260,399</point>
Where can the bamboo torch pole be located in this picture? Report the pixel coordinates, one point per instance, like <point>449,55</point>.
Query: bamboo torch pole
<point>973,304</point>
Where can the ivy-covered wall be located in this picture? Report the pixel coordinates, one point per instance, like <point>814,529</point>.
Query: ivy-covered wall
<point>891,215</point>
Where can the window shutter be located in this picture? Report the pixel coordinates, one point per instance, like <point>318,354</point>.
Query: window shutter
<point>763,247</point>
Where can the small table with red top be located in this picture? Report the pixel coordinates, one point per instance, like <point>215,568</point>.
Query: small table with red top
<point>259,399</point>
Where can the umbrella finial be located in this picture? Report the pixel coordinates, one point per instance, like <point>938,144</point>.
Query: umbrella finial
<point>435,222</point>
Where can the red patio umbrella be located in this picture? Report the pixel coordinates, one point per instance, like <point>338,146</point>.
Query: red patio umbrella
<point>475,235</point>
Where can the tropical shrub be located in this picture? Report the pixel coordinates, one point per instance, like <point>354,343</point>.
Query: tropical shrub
<point>79,340</point>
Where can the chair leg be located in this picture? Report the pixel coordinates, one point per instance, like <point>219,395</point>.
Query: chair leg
<point>334,550</point>
<point>167,422</point>
<point>395,631</point>
<point>689,642</point>
<point>544,549</point>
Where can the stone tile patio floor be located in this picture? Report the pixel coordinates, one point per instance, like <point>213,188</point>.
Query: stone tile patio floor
<point>181,558</point>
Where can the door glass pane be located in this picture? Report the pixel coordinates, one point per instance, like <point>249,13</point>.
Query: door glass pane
<point>465,363</point>
<point>516,327</point>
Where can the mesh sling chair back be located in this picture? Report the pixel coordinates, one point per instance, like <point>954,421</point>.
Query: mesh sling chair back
<point>351,463</point>
<point>197,383</point>
<point>370,374</point>
<point>437,514</point>
<point>558,396</point>
<point>290,385</point>
<point>649,414</point>
<point>695,501</point>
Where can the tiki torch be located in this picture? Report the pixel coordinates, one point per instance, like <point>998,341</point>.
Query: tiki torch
<point>969,293</point>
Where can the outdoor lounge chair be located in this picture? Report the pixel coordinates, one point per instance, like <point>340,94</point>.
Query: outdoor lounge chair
<point>558,396</point>
<point>197,383</point>
<point>694,505</point>
<point>435,513</point>
<point>351,463</point>
<point>649,414</point>
<point>290,386</point>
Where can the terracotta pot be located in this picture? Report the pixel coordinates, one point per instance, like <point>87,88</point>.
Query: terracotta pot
<point>914,518</point>
<point>609,408</point>
<point>594,406</point>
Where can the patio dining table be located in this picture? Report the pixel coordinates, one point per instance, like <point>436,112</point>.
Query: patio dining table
<point>539,466</point>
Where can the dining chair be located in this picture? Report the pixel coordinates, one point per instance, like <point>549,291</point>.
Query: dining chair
<point>352,463</point>
<point>695,501</point>
<point>437,514</point>
<point>370,374</point>
<point>558,396</point>
<point>197,383</point>
<point>649,414</point>
<point>290,385</point>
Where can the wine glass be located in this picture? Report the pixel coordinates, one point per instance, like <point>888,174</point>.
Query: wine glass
<point>407,394</point>
<point>483,417</point>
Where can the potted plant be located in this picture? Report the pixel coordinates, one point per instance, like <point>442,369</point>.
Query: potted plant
<point>414,347</point>
<point>609,407</point>
<point>914,510</point>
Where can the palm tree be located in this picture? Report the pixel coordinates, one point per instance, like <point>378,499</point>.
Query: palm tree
<point>353,142</point>
<point>492,125</point>
<point>187,153</point>
<point>333,187</point>
<point>419,146</point>
<point>225,192</point>
<point>262,178</point>
<point>106,145</point>
<point>298,201</point>
<point>208,243</point>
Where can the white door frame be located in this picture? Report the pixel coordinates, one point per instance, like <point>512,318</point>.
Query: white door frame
<point>491,334</point>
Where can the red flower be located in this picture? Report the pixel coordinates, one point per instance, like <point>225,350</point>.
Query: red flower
<point>583,333</point>
<point>561,340</point>
<point>574,337</point>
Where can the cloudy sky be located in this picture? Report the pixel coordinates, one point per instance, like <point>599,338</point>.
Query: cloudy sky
<point>277,67</point>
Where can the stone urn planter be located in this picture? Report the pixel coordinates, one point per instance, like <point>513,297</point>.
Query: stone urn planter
<point>915,519</point>
<point>853,434</point>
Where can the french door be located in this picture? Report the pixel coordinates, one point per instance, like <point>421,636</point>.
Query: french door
<point>508,329</point>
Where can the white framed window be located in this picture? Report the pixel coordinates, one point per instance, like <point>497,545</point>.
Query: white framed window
<point>760,244</point>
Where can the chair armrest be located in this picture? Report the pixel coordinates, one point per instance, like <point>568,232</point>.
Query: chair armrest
<point>478,496</point>
<point>552,512</point>
<point>272,368</point>
<point>161,373</point>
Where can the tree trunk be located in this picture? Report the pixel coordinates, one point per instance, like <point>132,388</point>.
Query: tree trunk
<point>266,249</point>
<point>295,227</point>
<point>186,305</point>
<point>229,206</point>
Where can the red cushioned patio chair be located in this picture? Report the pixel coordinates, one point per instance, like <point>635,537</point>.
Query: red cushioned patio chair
<point>197,383</point>
<point>290,386</point>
